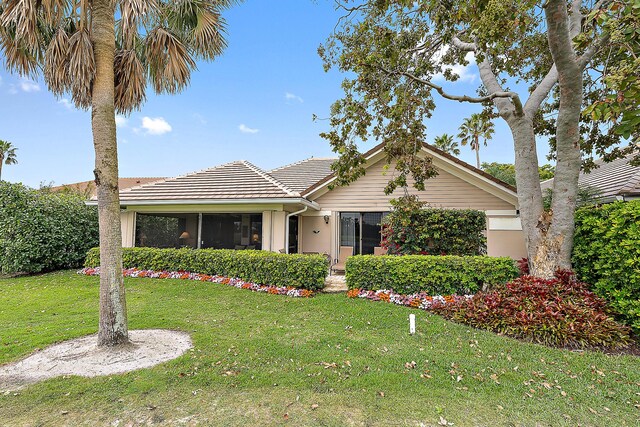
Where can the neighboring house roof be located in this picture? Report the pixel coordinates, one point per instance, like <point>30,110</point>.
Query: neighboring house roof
<point>236,180</point>
<point>429,148</point>
<point>89,187</point>
<point>303,174</point>
<point>612,180</point>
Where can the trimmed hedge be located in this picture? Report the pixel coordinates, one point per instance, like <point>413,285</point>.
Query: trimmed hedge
<point>436,275</point>
<point>43,231</point>
<point>606,254</point>
<point>262,267</point>
<point>411,229</point>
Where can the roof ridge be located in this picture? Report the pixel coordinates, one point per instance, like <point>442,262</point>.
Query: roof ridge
<point>633,182</point>
<point>270,178</point>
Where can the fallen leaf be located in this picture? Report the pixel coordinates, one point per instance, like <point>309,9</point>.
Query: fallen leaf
<point>381,393</point>
<point>314,406</point>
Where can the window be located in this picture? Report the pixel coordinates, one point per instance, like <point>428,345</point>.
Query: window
<point>361,230</point>
<point>166,230</point>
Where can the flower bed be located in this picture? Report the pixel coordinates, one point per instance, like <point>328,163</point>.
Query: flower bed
<point>236,283</point>
<point>420,300</point>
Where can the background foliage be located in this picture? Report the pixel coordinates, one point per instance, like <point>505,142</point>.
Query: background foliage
<point>606,255</point>
<point>262,267</point>
<point>436,275</point>
<point>411,229</point>
<point>43,231</point>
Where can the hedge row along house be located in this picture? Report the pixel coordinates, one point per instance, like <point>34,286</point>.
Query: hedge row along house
<point>292,209</point>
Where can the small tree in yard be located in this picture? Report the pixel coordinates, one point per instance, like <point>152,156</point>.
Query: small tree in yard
<point>105,64</point>
<point>396,48</point>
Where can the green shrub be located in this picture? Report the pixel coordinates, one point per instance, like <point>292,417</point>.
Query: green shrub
<point>262,267</point>
<point>43,231</point>
<point>410,229</point>
<point>436,275</point>
<point>558,312</point>
<point>606,254</point>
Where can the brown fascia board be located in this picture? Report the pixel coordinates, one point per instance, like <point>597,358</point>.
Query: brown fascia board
<point>428,147</point>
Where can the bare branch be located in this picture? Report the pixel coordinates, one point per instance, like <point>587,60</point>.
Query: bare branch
<point>588,54</point>
<point>541,92</point>
<point>463,46</point>
<point>461,98</point>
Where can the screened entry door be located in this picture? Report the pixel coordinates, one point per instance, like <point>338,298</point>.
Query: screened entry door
<point>361,230</point>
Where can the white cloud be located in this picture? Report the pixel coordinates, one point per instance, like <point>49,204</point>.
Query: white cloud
<point>155,126</point>
<point>246,129</point>
<point>66,103</point>
<point>292,97</point>
<point>29,86</point>
<point>121,121</point>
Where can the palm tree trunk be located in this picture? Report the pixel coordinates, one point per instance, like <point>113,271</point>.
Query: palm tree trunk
<point>478,156</point>
<point>113,315</point>
<point>1,160</point>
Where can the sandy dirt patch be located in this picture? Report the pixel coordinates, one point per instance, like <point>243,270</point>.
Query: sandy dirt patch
<point>82,357</point>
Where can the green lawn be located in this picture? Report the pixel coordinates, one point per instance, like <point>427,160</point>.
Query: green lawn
<point>265,360</point>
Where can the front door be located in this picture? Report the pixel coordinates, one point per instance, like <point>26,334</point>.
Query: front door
<point>360,230</point>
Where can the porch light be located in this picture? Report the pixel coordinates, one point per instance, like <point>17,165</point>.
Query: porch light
<point>326,219</point>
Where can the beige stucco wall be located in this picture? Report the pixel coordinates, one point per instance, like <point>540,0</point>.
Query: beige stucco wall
<point>444,191</point>
<point>127,226</point>
<point>278,231</point>
<point>314,242</point>
<point>506,243</point>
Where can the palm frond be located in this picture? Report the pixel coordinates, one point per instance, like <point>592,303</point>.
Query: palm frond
<point>56,67</point>
<point>22,15</point>
<point>169,61</point>
<point>82,68</point>
<point>54,11</point>
<point>130,81</point>
<point>134,13</point>
<point>17,57</point>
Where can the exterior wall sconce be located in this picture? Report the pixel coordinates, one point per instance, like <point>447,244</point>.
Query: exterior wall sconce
<point>316,231</point>
<point>326,219</point>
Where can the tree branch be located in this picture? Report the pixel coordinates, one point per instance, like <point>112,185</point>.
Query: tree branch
<point>491,83</point>
<point>541,92</point>
<point>588,54</point>
<point>461,98</point>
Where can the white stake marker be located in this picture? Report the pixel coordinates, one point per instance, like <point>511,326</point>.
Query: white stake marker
<point>412,324</point>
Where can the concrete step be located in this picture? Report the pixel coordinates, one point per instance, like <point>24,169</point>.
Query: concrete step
<point>334,284</point>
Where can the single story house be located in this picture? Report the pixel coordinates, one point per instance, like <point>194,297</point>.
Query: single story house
<point>291,208</point>
<point>615,180</point>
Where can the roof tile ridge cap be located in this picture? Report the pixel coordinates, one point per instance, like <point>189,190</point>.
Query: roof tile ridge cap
<point>270,178</point>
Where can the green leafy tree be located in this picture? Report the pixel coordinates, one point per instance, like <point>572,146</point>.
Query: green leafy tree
<point>506,172</point>
<point>7,155</point>
<point>104,53</point>
<point>395,49</point>
<point>446,143</point>
<point>472,130</point>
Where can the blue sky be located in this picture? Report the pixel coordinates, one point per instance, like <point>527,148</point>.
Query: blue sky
<point>255,102</point>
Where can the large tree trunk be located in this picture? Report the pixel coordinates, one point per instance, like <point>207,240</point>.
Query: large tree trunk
<point>1,161</point>
<point>113,316</point>
<point>558,238</point>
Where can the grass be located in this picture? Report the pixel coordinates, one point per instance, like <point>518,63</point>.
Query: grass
<point>265,360</point>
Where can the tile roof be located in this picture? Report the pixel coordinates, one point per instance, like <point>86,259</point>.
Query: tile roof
<point>616,178</point>
<point>89,187</point>
<point>235,180</point>
<point>303,174</point>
